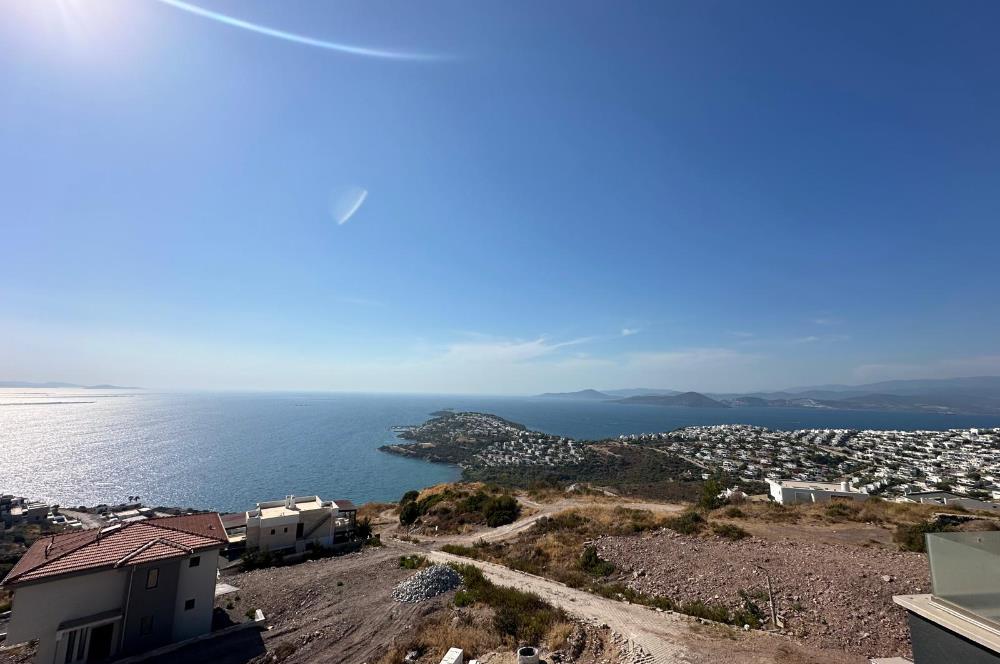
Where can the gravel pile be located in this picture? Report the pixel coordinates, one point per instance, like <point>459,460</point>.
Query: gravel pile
<point>428,583</point>
<point>837,597</point>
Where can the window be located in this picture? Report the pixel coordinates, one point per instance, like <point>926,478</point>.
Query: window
<point>286,530</point>
<point>146,625</point>
<point>188,604</point>
<point>272,531</point>
<point>70,645</point>
<point>194,562</point>
<point>152,578</point>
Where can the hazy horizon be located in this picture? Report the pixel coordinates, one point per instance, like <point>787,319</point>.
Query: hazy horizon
<point>479,200</point>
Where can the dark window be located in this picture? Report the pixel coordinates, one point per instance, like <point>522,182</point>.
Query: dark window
<point>272,531</point>
<point>152,578</point>
<point>194,562</point>
<point>286,530</point>
<point>188,604</point>
<point>298,529</point>
<point>70,645</point>
<point>146,625</point>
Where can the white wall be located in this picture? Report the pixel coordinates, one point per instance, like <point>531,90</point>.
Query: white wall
<point>38,609</point>
<point>196,583</point>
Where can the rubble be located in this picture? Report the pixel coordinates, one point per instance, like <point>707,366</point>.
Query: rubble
<point>426,584</point>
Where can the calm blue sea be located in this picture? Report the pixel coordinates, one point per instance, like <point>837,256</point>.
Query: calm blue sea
<point>228,451</point>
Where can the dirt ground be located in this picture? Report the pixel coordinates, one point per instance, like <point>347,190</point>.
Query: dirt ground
<point>332,610</point>
<point>832,596</point>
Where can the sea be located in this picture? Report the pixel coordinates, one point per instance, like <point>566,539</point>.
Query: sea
<point>228,451</point>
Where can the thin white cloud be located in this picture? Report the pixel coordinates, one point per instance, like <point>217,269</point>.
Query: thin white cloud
<point>629,331</point>
<point>232,21</point>
<point>347,203</point>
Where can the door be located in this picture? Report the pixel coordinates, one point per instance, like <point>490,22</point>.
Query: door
<point>100,643</point>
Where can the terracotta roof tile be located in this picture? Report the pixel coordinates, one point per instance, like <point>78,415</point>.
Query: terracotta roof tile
<point>135,543</point>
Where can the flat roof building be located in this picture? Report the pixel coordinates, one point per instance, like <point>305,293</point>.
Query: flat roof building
<point>790,492</point>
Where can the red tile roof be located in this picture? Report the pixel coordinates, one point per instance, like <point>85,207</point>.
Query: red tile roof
<point>134,543</point>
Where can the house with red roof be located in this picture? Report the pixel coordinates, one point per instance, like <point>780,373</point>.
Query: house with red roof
<point>94,595</point>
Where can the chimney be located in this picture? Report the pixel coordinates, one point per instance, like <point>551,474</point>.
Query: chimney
<point>290,502</point>
<point>844,486</point>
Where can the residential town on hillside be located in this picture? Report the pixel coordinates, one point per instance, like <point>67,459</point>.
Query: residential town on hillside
<point>874,462</point>
<point>890,463</point>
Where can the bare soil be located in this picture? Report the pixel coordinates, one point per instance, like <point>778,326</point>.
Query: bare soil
<point>831,596</point>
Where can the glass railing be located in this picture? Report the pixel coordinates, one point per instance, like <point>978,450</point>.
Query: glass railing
<point>965,573</point>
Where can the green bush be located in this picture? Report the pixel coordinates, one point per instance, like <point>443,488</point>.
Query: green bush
<point>687,523</point>
<point>710,499</point>
<point>409,513</point>
<point>501,510</point>
<point>363,529</point>
<point>409,497</point>
<point>911,537</point>
<point>592,563</point>
<point>729,531</point>
<point>412,562</point>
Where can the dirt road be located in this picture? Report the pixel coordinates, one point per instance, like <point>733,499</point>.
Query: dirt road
<point>655,637</point>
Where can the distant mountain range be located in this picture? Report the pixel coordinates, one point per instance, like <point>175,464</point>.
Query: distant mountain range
<point>978,395</point>
<point>56,385</point>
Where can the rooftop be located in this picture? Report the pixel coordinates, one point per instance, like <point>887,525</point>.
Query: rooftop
<point>118,546</point>
<point>816,486</point>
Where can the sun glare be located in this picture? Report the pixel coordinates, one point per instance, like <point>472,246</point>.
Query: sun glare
<point>87,24</point>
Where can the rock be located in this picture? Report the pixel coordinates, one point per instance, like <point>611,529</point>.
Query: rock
<point>428,583</point>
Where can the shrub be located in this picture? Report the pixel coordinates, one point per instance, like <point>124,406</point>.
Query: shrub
<point>733,513</point>
<point>409,497</point>
<point>409,513</point>
<point>841,510</point>
<point>911,537</point>
<point>710,491</point>
<point>523,616</point>
<point>363,529</point>
<point>592,563</point>
<point>501,510</point>
<point>412,562</point>
<point>687,523</point>
<point>729,531</point>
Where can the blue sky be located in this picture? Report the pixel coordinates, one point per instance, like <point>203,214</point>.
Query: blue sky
<point>558,195</point>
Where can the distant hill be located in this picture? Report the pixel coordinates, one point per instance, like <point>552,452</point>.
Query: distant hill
<point>582,394</point>
<point>974,395</point>
<point>978,385</point>
<point>57,385</point>
<point>688,399</point>
<point>639,392</point>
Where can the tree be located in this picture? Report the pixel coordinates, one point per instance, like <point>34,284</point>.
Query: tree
<point>710,491</point>
<point>409,513</point>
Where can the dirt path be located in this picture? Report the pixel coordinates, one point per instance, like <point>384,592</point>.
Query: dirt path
<point>655,632</point>
<point>655,637</point>
<point>539,510</point>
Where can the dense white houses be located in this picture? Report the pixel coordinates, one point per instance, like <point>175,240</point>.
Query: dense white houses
<point>97,594</point>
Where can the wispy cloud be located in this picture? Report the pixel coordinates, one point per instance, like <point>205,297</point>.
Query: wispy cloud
<point>629,331</point>
<point>347,203</point>
<point>234,22</point>
<point>825,320</point>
